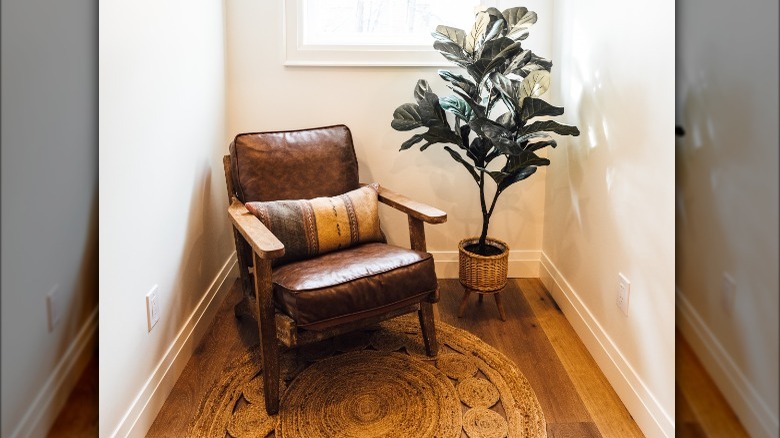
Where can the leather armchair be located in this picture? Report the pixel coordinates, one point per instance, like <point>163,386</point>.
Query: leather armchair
<point>304,301</point>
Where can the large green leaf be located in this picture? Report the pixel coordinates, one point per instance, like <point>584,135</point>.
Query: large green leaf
<point>496,175</point>
<point>506,88</point>
<point>468,86</point>
<point>453,52</point>
<point>499,136</point>
<point>477,34</point>
<point>465,130</point>
<point>535,84</point>
<point>495,28</point>
<point>524,159</point>
<point>517,176</point>
<point>478,150</point>
<point>457,157</point>
<point>479,110</point>
<point>495,47</point>
<point>431,112</point>
<point>523,139</point>
<point>533,107</point>
<point>416,138</point>
<point>518,21</point>
<point>496,53</point>
<point>549,125</point>
<point>440,132</point>
<point>517,63</point>
<point>458,106</point>
<point>421,89</point>
<point>534,64</point>
<point>407,117</point>
<point>507,53</point>
<point>453,34</point>
<point>507,120</point>
<point>540,144</point>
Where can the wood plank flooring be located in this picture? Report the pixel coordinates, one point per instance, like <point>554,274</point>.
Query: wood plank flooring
<point>79,416</point>
<point>574,395</point>
<point>702,410</point>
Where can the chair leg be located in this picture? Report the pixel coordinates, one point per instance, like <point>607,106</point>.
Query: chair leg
<point>428,326</point>
<point>268,343</point>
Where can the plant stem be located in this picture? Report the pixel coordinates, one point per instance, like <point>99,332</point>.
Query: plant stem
<point>493,204</point>
<point>485,214</point>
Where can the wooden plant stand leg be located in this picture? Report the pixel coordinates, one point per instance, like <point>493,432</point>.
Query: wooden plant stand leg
<point>480,298</point>
<point>463,302</point>
<point>500,306</point>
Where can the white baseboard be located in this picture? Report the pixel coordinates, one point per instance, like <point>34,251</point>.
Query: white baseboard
<point>522,263</point>
<point>636,396</point>
<point>142,412</point>
<point>43,411</point>
<point>757,418</point>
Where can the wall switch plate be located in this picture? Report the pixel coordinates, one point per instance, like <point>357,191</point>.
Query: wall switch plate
<point>624,287</point>
<point>152,308</point>
<point>728,292</point>
<point>54,307</point>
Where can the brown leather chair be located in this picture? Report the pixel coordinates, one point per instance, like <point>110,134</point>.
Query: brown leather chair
<point>305,301</point>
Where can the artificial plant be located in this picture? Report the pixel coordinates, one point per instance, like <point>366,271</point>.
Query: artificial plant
<point>504,79</point>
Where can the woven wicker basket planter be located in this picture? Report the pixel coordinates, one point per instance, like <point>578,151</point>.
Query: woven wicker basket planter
<point>480,273</point>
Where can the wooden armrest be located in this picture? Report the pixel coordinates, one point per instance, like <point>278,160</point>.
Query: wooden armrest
<point>263,242</point>
<point>414,209</point>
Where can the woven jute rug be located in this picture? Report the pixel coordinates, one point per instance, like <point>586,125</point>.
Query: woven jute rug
<point>378,383</point>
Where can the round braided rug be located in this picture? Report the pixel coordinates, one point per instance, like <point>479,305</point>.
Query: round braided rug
<point>381,386</point>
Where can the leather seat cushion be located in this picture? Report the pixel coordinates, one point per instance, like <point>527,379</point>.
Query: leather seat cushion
<point>352,284</point>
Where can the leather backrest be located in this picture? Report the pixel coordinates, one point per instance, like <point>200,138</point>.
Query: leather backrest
<point>301,164</point>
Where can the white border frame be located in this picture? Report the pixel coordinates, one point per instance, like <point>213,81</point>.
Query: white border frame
<point>299,54</point>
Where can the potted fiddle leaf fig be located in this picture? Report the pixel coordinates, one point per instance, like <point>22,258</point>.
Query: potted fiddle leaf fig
<point>491,124</point>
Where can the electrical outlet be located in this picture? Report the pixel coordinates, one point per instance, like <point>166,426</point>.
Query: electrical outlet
<point>728,292</point>
<point>53,307</point>
<point>624,287</point>
<point>152,307</point>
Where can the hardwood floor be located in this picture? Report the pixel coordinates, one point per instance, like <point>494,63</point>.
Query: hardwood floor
<point>574,395</point>
<point>79,416</point>
<point>702,410</point>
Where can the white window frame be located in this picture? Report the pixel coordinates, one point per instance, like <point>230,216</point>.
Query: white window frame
<point>359,55</point>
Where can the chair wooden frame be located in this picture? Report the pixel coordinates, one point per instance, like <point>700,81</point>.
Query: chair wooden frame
<point>256,244</point>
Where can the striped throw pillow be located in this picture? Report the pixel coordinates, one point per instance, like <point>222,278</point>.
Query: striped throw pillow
<point>308,227</point>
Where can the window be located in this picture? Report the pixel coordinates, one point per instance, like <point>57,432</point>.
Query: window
<point>370,32</point>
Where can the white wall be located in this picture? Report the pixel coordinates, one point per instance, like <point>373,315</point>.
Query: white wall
<point>163,217</point>
<point>727,213</point>
<point>263,94</point>
<point>49,205</point>
<point>610,195</point>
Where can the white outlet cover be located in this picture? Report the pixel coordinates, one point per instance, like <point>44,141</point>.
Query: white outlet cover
<point>152,308</point>
<point>623,293</point>
<point>728,292</point>
<point>53,307</point>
